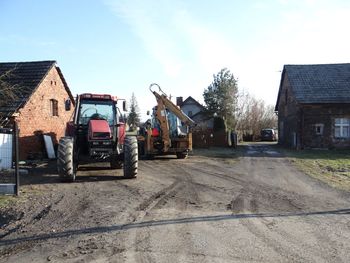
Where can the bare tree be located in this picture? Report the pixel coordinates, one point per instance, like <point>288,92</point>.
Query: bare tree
<point>8,92</point>
<point>12,94</point>
<point>254,115</point>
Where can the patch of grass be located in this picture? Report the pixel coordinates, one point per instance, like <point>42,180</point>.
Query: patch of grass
<point>25,192</point>
<point>329,166</point>
<point>6,200</point>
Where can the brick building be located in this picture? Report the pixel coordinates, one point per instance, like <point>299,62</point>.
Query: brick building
<point>39,104</point>
<point>313,106</point>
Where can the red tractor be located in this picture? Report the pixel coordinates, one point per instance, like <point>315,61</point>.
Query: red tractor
<point>97,133</point>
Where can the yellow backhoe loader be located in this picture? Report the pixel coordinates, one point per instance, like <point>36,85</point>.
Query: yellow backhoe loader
<point>168,131</point>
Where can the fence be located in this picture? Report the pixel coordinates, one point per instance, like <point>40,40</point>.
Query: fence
<point>9,173</point>
<point>204,138</point>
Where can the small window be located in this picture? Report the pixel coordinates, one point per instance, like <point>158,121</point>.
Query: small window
<point>189,114</point>
<point>54,107</point>
<point>341,128</point>
<point>319,129</point>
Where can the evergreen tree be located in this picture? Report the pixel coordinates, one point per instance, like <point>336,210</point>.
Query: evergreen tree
<point>221,97</point>
<point>134,114</point>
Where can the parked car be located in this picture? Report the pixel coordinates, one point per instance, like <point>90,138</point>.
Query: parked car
<point>268,135</point>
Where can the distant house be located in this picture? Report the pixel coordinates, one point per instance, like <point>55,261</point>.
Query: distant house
<point>39,105</point>
<point>313,106</point>
<point>204,134</point>
<point>196,111</point>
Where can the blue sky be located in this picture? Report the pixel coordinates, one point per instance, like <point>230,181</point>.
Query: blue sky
<point>121,46</point>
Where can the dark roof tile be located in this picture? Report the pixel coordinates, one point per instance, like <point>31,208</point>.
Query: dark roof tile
<point>323,83</point>
<point>24,77</point>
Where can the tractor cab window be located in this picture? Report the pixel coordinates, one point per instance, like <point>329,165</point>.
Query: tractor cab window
<point>175,126</point>
<point>96,110</point>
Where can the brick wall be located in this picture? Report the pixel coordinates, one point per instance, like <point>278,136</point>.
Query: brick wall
<point>36,117</point>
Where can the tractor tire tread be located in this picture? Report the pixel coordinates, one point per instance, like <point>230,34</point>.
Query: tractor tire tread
<point>65,162</point>
<point>130,157</point>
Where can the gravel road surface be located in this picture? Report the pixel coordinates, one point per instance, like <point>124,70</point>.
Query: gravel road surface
<point>255,208</point>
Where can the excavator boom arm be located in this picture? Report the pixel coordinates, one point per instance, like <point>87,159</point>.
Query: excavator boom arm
<point>172,107</point>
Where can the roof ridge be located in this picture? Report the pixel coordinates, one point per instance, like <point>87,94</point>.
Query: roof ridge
<point>22,62</point>
<point>326,64</point>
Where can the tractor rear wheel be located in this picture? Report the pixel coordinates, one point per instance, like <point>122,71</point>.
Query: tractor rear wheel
<point>66,165</point>
<point>130,157</point>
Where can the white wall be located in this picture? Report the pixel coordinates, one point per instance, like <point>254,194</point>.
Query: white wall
<point>190,107</point>
<point>5,151</point>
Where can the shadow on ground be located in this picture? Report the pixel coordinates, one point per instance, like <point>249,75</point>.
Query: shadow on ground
<point>155,223</point>
<point>45,172</point>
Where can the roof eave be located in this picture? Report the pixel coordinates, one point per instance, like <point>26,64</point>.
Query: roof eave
<point>280,88</point>
<point>197,103</point>
<point>65,85</point>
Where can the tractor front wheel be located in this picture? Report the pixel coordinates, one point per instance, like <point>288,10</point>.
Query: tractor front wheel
<point>66,165</point>
<point>130,157</point>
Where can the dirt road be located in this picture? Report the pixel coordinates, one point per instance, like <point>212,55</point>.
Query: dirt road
<point>257,208</point>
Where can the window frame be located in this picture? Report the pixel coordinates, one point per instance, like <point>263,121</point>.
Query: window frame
<point>344,123</point>
<point>319,126</point>
<point>54,107</point>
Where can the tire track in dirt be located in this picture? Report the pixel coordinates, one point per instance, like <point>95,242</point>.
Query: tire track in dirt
<point>156,199</point>
<point>283,242</point>
<point>251,196</point>
<point>327,254</point>
<point>52,216</point>
<point>267,230</point>
<point>179,195</point>
<point>182,183</point>
<point>248,205</point>
<point>137,242</point>
<point>221,172</point>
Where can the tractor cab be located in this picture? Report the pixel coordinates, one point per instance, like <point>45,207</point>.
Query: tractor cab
<point>97,125</point>
<point>176,127</point>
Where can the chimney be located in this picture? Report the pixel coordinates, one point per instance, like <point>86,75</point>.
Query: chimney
<point>179,101</point>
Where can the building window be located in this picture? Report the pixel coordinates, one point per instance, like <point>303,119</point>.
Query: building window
<point>319,129</point>
<point>341,127</point>
<point>189,114</point>
<point>54,107</point>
